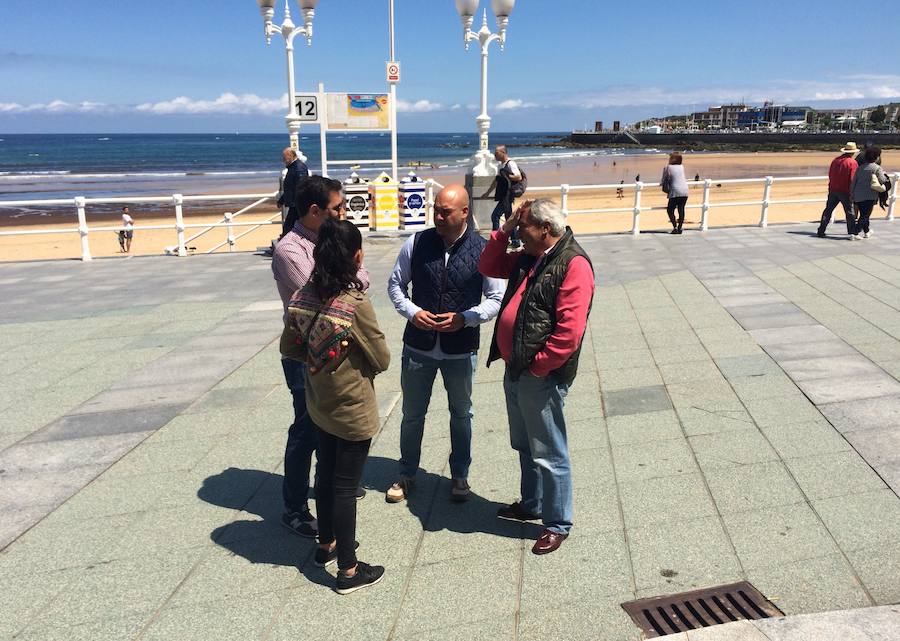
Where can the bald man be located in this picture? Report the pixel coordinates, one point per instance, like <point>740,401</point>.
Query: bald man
<point>296,172</point>
<point>450,300</point>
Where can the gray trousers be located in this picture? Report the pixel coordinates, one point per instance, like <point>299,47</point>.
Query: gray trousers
<point>833,199</point>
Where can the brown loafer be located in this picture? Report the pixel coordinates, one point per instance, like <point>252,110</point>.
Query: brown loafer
<point>548,542</point>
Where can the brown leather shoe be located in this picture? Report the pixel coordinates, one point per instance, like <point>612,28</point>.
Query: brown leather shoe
<point>548,542</point>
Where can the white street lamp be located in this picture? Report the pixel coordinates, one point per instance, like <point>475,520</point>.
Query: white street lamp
<point>289,31</point>
<point>483,163</point>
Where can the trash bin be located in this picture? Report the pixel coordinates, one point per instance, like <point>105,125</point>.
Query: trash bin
<point>412,202</point>
<point>384,211</point>
<point>356,191</point>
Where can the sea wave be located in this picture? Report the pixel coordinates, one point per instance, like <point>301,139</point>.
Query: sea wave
<point>68,175</point>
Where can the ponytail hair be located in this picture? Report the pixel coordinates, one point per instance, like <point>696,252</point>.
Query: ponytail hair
<point>334,256</point>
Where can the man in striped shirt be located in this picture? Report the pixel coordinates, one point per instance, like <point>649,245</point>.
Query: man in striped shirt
<point>317,198</point>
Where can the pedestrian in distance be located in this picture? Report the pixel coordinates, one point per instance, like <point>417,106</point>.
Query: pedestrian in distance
<point>296,172</point>
<point>508,175</point>
<point>450,299</point>
<point>675,185</point>
<point>317,199</point>
<point>620,191</point>
<point>332,328</point>
<point>840,177</point>
<point>868,183</point>
<point>538,335</point>
<point>126,234</point>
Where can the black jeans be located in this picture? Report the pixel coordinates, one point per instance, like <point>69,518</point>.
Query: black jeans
<point>865,210</point>
<point>289,220</point>
<point>679,202</point>
<point>301,441</point>
<point>833,199</point>
<point>338,475</point>
<point>502,209</point>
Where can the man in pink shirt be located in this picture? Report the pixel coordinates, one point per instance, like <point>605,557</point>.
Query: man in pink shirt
<point>538,334</point>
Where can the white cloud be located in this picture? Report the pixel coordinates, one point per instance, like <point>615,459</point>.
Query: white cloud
<point>227,103</point>
<point>54,107</point>
<point>514,103</point>
<point>419,106</point>
<point>456,107</point>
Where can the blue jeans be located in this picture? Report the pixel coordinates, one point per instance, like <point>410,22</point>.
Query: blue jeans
<point>537,431</point>
<point>301,441</point>
<point>416,380</point>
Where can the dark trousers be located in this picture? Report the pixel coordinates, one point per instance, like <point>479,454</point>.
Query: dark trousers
<point>833,199</point>
<point>679,202</point>
<point>301,441</point>
<point>865,210</point>
<point>502,209</point>
<point>289,220</point>
<point>338,475</point>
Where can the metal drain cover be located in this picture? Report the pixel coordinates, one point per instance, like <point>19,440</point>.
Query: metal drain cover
<point>674,613</point>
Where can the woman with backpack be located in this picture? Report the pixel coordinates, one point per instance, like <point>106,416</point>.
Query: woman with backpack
<point>674,184</point>
<point>867,184</point>
<point>331,326</point>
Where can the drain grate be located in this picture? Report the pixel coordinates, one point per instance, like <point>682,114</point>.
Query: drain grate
<point>659,616</point>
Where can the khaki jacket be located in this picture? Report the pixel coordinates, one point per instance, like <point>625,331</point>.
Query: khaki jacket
<point>344,350</point>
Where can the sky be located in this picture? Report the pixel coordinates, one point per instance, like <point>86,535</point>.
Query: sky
<point>189,66</point>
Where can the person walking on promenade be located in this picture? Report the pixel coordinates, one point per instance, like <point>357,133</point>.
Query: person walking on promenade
<point>502,186</point>
<point>676,187</point>
<point>318,199</point>
<point>332,327</point>
<point>444,314</point>
<point>127,231</point>
<point>840,176</point>
<point>296,172</point>
<point>867,184</point>
<point>538,334</point>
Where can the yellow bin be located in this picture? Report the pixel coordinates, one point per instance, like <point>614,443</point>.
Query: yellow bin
<point>385,210</point>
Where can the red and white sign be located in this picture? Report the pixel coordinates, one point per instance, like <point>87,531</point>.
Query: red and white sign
<point>393,71</point>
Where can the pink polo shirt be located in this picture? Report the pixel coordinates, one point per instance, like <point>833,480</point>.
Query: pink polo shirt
<point>572,304</point>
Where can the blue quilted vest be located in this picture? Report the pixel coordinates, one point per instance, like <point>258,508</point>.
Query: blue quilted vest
<point>452,287</point>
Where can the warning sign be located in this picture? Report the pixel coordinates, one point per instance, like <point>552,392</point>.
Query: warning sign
<point>393,71</point>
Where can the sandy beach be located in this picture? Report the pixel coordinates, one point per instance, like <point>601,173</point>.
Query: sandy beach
<point>578,171</point>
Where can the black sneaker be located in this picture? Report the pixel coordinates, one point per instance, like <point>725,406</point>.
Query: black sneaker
<point>515,512</point>
<point>820,234</point>
<point>365,576</point>
<point>322,558</point>
<point>300,523</point>
<point>360,494</point>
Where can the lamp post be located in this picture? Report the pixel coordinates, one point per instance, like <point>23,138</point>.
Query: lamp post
<point>289,31</point>
<point>483,163</point>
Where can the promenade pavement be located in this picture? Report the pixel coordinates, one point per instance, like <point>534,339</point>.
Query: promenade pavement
<point>736,416</point>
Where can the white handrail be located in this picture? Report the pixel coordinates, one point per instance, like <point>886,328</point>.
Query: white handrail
<point>565,192</point>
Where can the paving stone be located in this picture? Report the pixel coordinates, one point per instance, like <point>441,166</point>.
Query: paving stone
<point>746,488</point>
<point>670,498</point>
<point>678,556</point>
<point>727,449</point>
<point>810,585</point>
<point>869,624</point>
<point>833,390</point>
<point>636,400</point>
<point>643,427</point>
<point>862,520</point>
<point>834,474</point>
<point>639,377</point>
<point>738,366</point>
<point>829,367</point>
<point>500,628</point>
<point>805,439</point>
<point>806,334</point>
<point>653,459</point>
<point>573,621</point>
<point>774,321</point>
<point>679,354</point>
<point>778,535</point>
<point>235,619</point>
<point>865,414</point>
<point>775,411</point>
<point>807,350</point>
<point>877,569</point>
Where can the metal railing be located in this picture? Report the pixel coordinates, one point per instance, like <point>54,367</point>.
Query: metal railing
<point>229,221</point>
<point>705,205</point>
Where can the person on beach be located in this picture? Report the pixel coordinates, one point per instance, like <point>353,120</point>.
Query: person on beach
<point>332,328</point>
<point>538,334</point>
<point>318,199</point>
<point>296,171</point>
<point>507,174</point>
<point>676,187</point>
<point>126,234</point>
<point>442,334</point>
<point>840,177</point>
<point>620,191</point>
<point>868,182</point>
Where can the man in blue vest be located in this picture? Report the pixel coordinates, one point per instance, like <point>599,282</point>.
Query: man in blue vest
<point>444,312</point>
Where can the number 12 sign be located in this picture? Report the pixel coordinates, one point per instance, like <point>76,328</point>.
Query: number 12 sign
<point>308,108</point>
